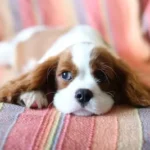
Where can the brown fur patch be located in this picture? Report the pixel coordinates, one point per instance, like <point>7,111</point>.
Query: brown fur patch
<point>41,78</point>
<point>65,64</point>
<point>123,83</point>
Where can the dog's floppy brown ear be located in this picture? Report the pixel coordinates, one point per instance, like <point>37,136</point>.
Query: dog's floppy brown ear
<point>131,90</point>
<point>40,78</point>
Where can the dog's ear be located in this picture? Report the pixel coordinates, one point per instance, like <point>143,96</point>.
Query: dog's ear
<point>41,78</point>
<point>131,90</point>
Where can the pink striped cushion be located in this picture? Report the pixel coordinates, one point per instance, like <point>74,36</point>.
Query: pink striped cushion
<point>24,129</point>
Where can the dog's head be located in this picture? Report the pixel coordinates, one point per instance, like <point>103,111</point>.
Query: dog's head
<point>83,76</point>
<point>90,80</point>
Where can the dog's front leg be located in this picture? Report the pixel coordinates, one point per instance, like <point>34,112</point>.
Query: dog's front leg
<point>24,90</point>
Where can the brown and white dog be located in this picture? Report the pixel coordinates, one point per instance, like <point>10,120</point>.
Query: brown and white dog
<point>82,72</point>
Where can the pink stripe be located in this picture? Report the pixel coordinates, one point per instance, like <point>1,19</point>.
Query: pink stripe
<point>125,24</point>
<point>54,12</point>
<point>48,9</point>
<point>106,132</point>
<point>43,127</point>
<point>95,16</point>
<point>25,130</point>
<point>26,13</point>
<point>91,134</point>
<point>62,136</point>
<point>77,133</point>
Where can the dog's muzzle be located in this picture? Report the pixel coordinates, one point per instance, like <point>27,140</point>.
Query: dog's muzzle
<point>83,96</point>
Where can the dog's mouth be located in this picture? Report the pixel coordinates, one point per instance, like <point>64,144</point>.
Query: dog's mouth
<point>82,112</point>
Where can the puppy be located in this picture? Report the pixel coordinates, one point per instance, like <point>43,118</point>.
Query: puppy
<point>83,74</point>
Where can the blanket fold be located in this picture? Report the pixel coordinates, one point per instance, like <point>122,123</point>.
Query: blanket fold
<point>123,128</point>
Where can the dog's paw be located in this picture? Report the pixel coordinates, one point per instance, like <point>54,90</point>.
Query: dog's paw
<point>28,99</point>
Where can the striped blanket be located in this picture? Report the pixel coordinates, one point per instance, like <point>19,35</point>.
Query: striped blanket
<point>123,128</point>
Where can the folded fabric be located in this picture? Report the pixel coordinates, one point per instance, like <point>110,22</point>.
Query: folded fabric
<point>124,128</point>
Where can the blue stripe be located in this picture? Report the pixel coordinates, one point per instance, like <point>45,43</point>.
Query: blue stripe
<point>145,119</point>
<point>80,10</point>
<point>8,117</point>
<point>14,8</point>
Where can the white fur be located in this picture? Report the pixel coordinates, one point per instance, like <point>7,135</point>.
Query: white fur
<point>79,34</point>
<point>8,48</point>
<point>31,64</point>
<point>29,98</point>
<point>6,53</point>
<point>27,33</point>
<point>64,99</point>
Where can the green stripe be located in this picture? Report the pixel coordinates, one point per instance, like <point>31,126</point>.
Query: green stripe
<point>53,130</point>
<point>58,131</point>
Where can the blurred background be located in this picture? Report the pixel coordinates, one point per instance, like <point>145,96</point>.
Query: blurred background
<point>103,15</point>
<point>16,15</point>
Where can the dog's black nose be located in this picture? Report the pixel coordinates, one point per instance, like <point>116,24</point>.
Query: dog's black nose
<point>83,96</point>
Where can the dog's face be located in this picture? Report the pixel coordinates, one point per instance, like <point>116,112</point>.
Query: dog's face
<point>81,80</point>
<point>86,81</point>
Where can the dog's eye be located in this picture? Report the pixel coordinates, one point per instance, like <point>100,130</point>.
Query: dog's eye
<point>66,75</point>
<point>100,76</point>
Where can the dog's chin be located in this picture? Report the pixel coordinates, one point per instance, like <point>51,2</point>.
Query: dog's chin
<point>82,112</point>
<point>96,106</point>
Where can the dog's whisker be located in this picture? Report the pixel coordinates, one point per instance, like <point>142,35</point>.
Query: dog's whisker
<point>111,93</point>
<point>49,70</point>
<point>50,93</point>
<point>50,104</point>
<point>110,68</point>
<point>105,75</point>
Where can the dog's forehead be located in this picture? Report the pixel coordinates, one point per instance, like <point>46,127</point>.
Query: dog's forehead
<point>81,54</point>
